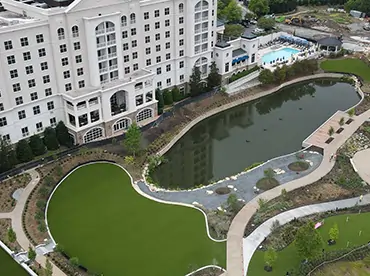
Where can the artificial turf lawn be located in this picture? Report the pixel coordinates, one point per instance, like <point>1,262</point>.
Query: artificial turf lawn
<point>97,216</point>
<point>349,65</point>
<point>10,267</point>
<point>288,257</point>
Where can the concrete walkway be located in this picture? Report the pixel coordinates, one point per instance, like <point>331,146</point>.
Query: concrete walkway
<point>252,242</point>
<point>235,265</point>
<point>361,162</point>
<point>16,217</point>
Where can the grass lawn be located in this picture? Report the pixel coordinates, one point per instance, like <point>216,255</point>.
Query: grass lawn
<point>8,266</point>
<point>98,217</point>
<point>344,269</point>
<point>349,65</point>
<point>288,258</point>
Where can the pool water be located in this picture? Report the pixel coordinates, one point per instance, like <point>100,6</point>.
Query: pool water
<point>284,53</point>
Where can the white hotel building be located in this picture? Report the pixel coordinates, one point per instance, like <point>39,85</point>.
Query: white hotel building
<point>95,64</point>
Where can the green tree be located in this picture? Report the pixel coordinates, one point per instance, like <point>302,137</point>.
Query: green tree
<point>214,78</point>
<point>74,261</point>
<point>351,112</point>
<point>233,204</point>
<point>7,156</point>
<point>37,146</point>
<point>366,261</point>
<point>48,268</point>
<point>176,95</point>
<point>24,152</point>
<point>167,97</point>
<point>233,30</point>
<point>341,122</point>
<point>308,241</point>
<point>259,7</point>
<point>232,12</point>
<point>132,139</point>
<point>12,236</point>
<point>249,16</point>
<point>266,23</point>
<point>159,98</point>
<point>270,257</point>
<point>63,136</point>
<point>266,77</point>
<point>331,131</point>
<point>195,85</point>
<point>50,139</point>
<point>280,74</point>
<point>334,232</point>
<point>31,254</point>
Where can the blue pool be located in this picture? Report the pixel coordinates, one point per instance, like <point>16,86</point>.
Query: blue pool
<point>284,53</point>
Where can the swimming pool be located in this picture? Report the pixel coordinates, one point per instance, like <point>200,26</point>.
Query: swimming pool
<point>284,53</point>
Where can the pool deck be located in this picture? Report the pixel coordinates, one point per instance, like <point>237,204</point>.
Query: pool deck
<point>242,184</point>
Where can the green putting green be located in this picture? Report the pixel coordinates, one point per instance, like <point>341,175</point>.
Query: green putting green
<point>288,257</point>
<point>349,65</point>
<point>8,266</point>
<point>99,218</point>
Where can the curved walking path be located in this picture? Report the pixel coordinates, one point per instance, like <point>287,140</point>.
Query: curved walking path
<point>234,265</point>
<point>16,218</point>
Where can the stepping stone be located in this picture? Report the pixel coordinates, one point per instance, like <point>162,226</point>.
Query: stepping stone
<point>17,193</point>
<point>234,177</point>
<point>230,186</point>
<point>209,192</point>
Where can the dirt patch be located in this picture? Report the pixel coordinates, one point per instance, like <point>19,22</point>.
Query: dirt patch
<point>267,183</point>
<point>298,166</point>
<point>7,188</point>
<point>5,224</point>
<point>364,105</point>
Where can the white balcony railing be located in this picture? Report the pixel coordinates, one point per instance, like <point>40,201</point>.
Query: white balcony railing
<point>197,52</point>
<point>104,81</point>
<point>101,44</point>
<point>197,31</point>
<point>198,9</point>
<point>111,55</point>
<point>93,102</point>
<point>109,30</point>
<point>111,42</point>
<point>205,18</point>
<point>204,49</point>
<point>205,29</point>
<point>198,19</point>
<point>112,67</point>
<point>81,106</point>
<point>102,70</point>
<point>197,41</point>
<point>205,39</point>
<point>102,57</point>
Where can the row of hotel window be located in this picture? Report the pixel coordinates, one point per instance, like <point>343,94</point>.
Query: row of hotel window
<point>24,130</point>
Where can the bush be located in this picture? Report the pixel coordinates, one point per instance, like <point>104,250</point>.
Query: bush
<point>23,151</point>
<point>167,96</point>
<point>36,145</point>
<point>50,139</point>
<point>176,95</point>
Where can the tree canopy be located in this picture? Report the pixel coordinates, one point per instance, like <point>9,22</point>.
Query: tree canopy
<point>308,241</point>
<point>159,98</point>
<point>359,5</point>
<point>259,7</point>
<point>24,152</point>
<point>266,23</point>
<point>232,12</point>
<point>194,82</point>
<point>214,78</point>
<point>63,135</point>
<point>132,141</point>
<point>233,30</point>
<point>50,139</point>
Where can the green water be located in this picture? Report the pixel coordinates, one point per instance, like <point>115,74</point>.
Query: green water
<point>275,125</point>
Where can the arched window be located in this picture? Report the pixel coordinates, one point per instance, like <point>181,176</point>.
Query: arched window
<point>75,31</point>
<point>61,34</point>
<point>118,102</point>
<point>144,115</point>
<point>132,18</point>
<point>181,8</point>
<point>93,134</point>
<point>123,21</point>
<point>121,124</point>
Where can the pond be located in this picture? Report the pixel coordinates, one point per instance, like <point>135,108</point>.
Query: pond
<point>228,142</point>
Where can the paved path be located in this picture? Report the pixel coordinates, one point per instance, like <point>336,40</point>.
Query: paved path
<point>16,217</point>
<point>361,161</point>
<point>252,242</point>
<point>235,235</point>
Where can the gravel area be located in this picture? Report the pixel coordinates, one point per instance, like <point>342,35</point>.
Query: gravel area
<point>242,184</point>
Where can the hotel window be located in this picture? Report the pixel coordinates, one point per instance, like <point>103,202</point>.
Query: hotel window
<point>168,45</point>
<point>25,132</point>
<point>146,27</point>
<point>157,36</point>
<point>64,61</point>
<point>11,59</point>
<point>167,34</point>
<point>44,66</point>
<point>167,11</point>
<point>46,79</point>
<point>159,70</point>
<point>42,52</point>
<point>34,96</point>
<point>167,23</point>
<point>181,20</point>
<point>68,86</point>
<point>134,55</point>
<point>29,69</point>
<point>77,46</point>
<point>125,46</point>
<point>181,64</point>
<point>18,100</point>
<point>26,56</point>
<point>24,41</point>
<point>136,67</point>
<point>168,67</point>
<point>66,74</point>
<point>148,62</point>
<point>50,105</point>
<point>81,84</point>
<point>158,59</point>
<point>16,87</point>
<point>181,31</point>
<point>63,48</point>
<point>31,83</point>
<point>133,31</point>
<point>3,122</point>
<point>127,70</point>
<point>157,25</point>
<point>78,59</point>
<point>36,110</point>
<point>21,114</point>
<point>60,33</point>
<point>124,34</point>
<point>147,39</point>
<point>53,122</point>
<point>158,48</point>
<point>134,43</point>
<point>48,92</point>
<point>156,13</point>
<point>168,56</point>
<point>147,51</point>
<point>146,15</point>
<point>13,73</point>
<point>39,127</point>
<point>126,58</point>
<point>8,45</point>
<point>80,71</point>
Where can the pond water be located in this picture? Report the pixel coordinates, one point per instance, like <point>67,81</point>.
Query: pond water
<point>226,143</point>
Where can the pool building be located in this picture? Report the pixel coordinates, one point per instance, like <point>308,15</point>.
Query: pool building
<point>249,50</point>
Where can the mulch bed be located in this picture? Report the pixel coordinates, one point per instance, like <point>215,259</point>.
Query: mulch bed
<point>222,190</point>
<point>298,166</point>
<point>267,183</point>
<point>7,188</point>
